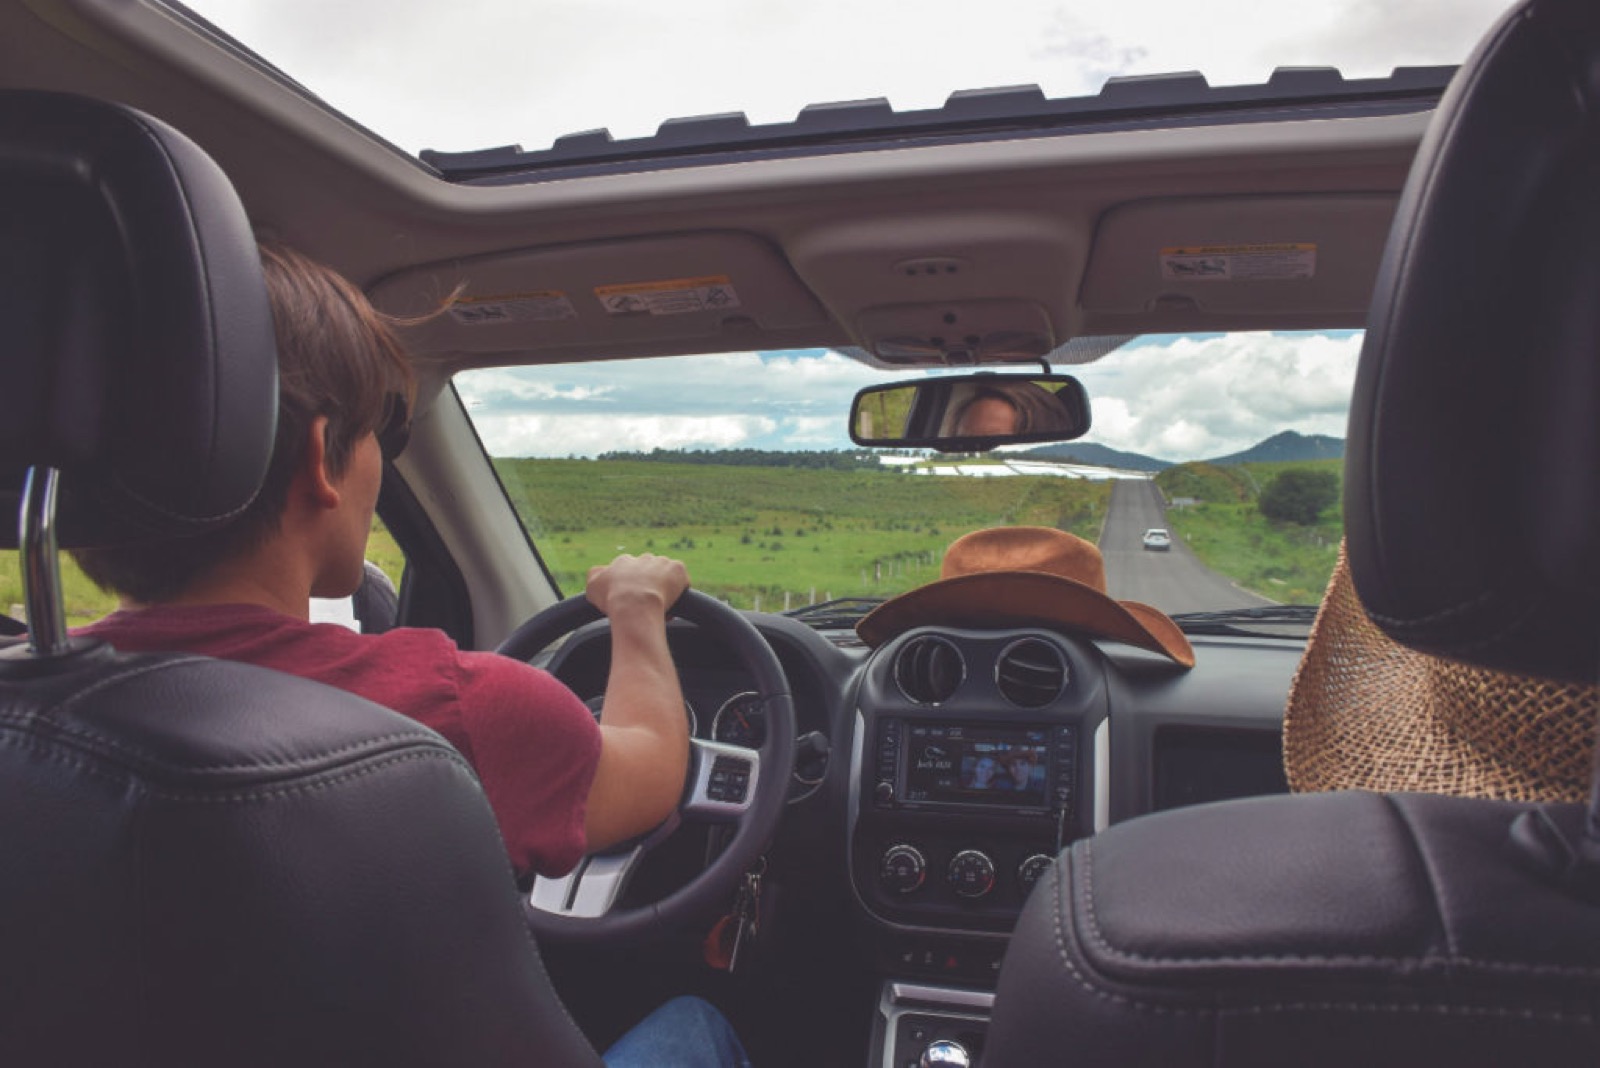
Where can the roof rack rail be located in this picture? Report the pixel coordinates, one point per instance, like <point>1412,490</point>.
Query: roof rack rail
<point>1122,103</point>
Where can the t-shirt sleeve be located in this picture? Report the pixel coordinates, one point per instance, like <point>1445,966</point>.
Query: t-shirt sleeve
<point>535,747</point>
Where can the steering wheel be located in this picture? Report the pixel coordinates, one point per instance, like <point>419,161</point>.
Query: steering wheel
<point>579,907</point>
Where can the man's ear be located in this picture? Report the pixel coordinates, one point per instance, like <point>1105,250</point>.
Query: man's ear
<point>314,474</point>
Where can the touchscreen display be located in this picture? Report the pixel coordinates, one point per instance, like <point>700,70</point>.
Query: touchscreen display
<point>971,765</point>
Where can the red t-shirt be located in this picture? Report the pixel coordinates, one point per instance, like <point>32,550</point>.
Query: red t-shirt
<point>534,744</point>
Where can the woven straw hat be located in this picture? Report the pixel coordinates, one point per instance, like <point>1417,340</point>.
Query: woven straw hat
<point>1367,713</point>
<point>1021,576</point>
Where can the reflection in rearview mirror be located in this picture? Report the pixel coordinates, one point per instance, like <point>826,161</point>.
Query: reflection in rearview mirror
<point>970,413</point>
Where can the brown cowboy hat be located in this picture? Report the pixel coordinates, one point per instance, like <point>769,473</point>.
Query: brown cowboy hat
<point>1368,713</point>
<point>1026,576</point>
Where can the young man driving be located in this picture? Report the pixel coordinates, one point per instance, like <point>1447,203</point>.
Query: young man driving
<point>560,784</point>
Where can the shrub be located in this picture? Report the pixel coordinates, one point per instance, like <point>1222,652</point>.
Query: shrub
<point>1299,495</point>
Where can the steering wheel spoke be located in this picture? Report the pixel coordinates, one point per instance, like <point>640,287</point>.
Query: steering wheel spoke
<point>722,781</point>
<point>590,889</point>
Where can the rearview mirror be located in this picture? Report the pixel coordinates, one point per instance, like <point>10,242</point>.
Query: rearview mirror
<point>970,413</point>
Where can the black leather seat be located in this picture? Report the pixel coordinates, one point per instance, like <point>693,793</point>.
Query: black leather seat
<point>1353,928</point>
<point>204,862</point>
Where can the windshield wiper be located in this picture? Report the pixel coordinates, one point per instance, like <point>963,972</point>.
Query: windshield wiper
<point>1240,620</point>
<point>839,612</point>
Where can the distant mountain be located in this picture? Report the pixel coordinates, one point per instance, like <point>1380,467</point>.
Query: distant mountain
<point>1287,447</point>
<point>1092,455</point>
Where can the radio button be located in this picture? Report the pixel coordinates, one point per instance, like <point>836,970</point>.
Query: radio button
<point>884,794</point>
<point>971,873</point>
<point>902,869</point>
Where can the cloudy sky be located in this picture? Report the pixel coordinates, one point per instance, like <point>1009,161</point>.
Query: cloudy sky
<point>463,74</point>
<point>469,74</point>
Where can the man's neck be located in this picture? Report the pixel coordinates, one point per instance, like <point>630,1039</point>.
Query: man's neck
<point>269,583</point>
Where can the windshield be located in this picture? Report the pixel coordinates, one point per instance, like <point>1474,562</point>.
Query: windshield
<point>739,464</point>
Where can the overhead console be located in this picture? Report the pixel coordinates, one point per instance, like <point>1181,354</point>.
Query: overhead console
<point>946,285</point>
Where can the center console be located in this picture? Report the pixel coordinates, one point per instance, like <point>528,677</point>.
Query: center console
<point>979,755</point>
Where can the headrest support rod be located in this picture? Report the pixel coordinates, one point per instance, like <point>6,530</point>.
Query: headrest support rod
<point>41,568</point>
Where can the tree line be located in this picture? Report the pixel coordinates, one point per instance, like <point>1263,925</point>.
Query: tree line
<point>820,460</point>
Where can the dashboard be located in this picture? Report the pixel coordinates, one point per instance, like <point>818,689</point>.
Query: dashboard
<point>940,774</point>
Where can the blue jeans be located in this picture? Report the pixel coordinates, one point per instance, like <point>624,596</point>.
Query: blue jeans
<point>684,1033</point>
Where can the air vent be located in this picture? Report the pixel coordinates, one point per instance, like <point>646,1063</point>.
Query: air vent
<point>1031,673</point>
<point>928,670</point>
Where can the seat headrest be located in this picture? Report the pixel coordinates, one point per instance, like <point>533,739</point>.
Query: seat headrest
<point>1474,444</point>
<point>136,342</point>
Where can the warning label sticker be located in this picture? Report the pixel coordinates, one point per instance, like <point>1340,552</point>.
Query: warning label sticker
<point>679,296</point>
<point>1239,263</point>
<point>539,306</point>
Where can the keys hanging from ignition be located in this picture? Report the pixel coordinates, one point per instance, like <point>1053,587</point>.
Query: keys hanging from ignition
<point>743,921</point>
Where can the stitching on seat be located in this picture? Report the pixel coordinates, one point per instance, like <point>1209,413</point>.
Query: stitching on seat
<point>1363,1007</point>
<point>1509,627</point>
<point>45,750</point>
<point>136,671</point>
<point>1460,608</point>
<point>133,671</point>
<point>1434,885</point>
<point>544,973</point>
<point>1451,960</point>
<point>323,780</point>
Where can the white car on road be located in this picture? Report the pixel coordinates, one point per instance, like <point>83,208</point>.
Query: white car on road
<point>1157,539</point>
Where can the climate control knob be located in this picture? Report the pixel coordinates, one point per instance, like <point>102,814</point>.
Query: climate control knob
<point>971,873</point>
<point>1029,871</point>
<point>902,869</point>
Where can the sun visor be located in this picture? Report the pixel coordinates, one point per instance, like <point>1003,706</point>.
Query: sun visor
<point>1235,263</point>
<point>656,294</point>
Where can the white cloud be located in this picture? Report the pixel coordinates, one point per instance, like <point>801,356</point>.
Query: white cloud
<point>1191,398</point>
<point>478,73</point>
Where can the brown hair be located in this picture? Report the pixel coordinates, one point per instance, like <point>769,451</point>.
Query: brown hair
<point>1038,410</point>
<point>337,357</point>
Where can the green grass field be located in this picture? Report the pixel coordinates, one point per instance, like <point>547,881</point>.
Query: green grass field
<point>748,533</point>
<point>1283,561</point>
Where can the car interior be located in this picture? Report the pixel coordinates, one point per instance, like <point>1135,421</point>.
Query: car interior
<point>213,863</point>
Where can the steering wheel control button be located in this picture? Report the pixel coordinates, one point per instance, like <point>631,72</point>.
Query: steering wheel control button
<point>1031,869</point>
<point>971,873</point>
<point>730,781</point>
<point>902,869</point>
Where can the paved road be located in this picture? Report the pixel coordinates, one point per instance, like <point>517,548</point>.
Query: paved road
<point>1173,581</point>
